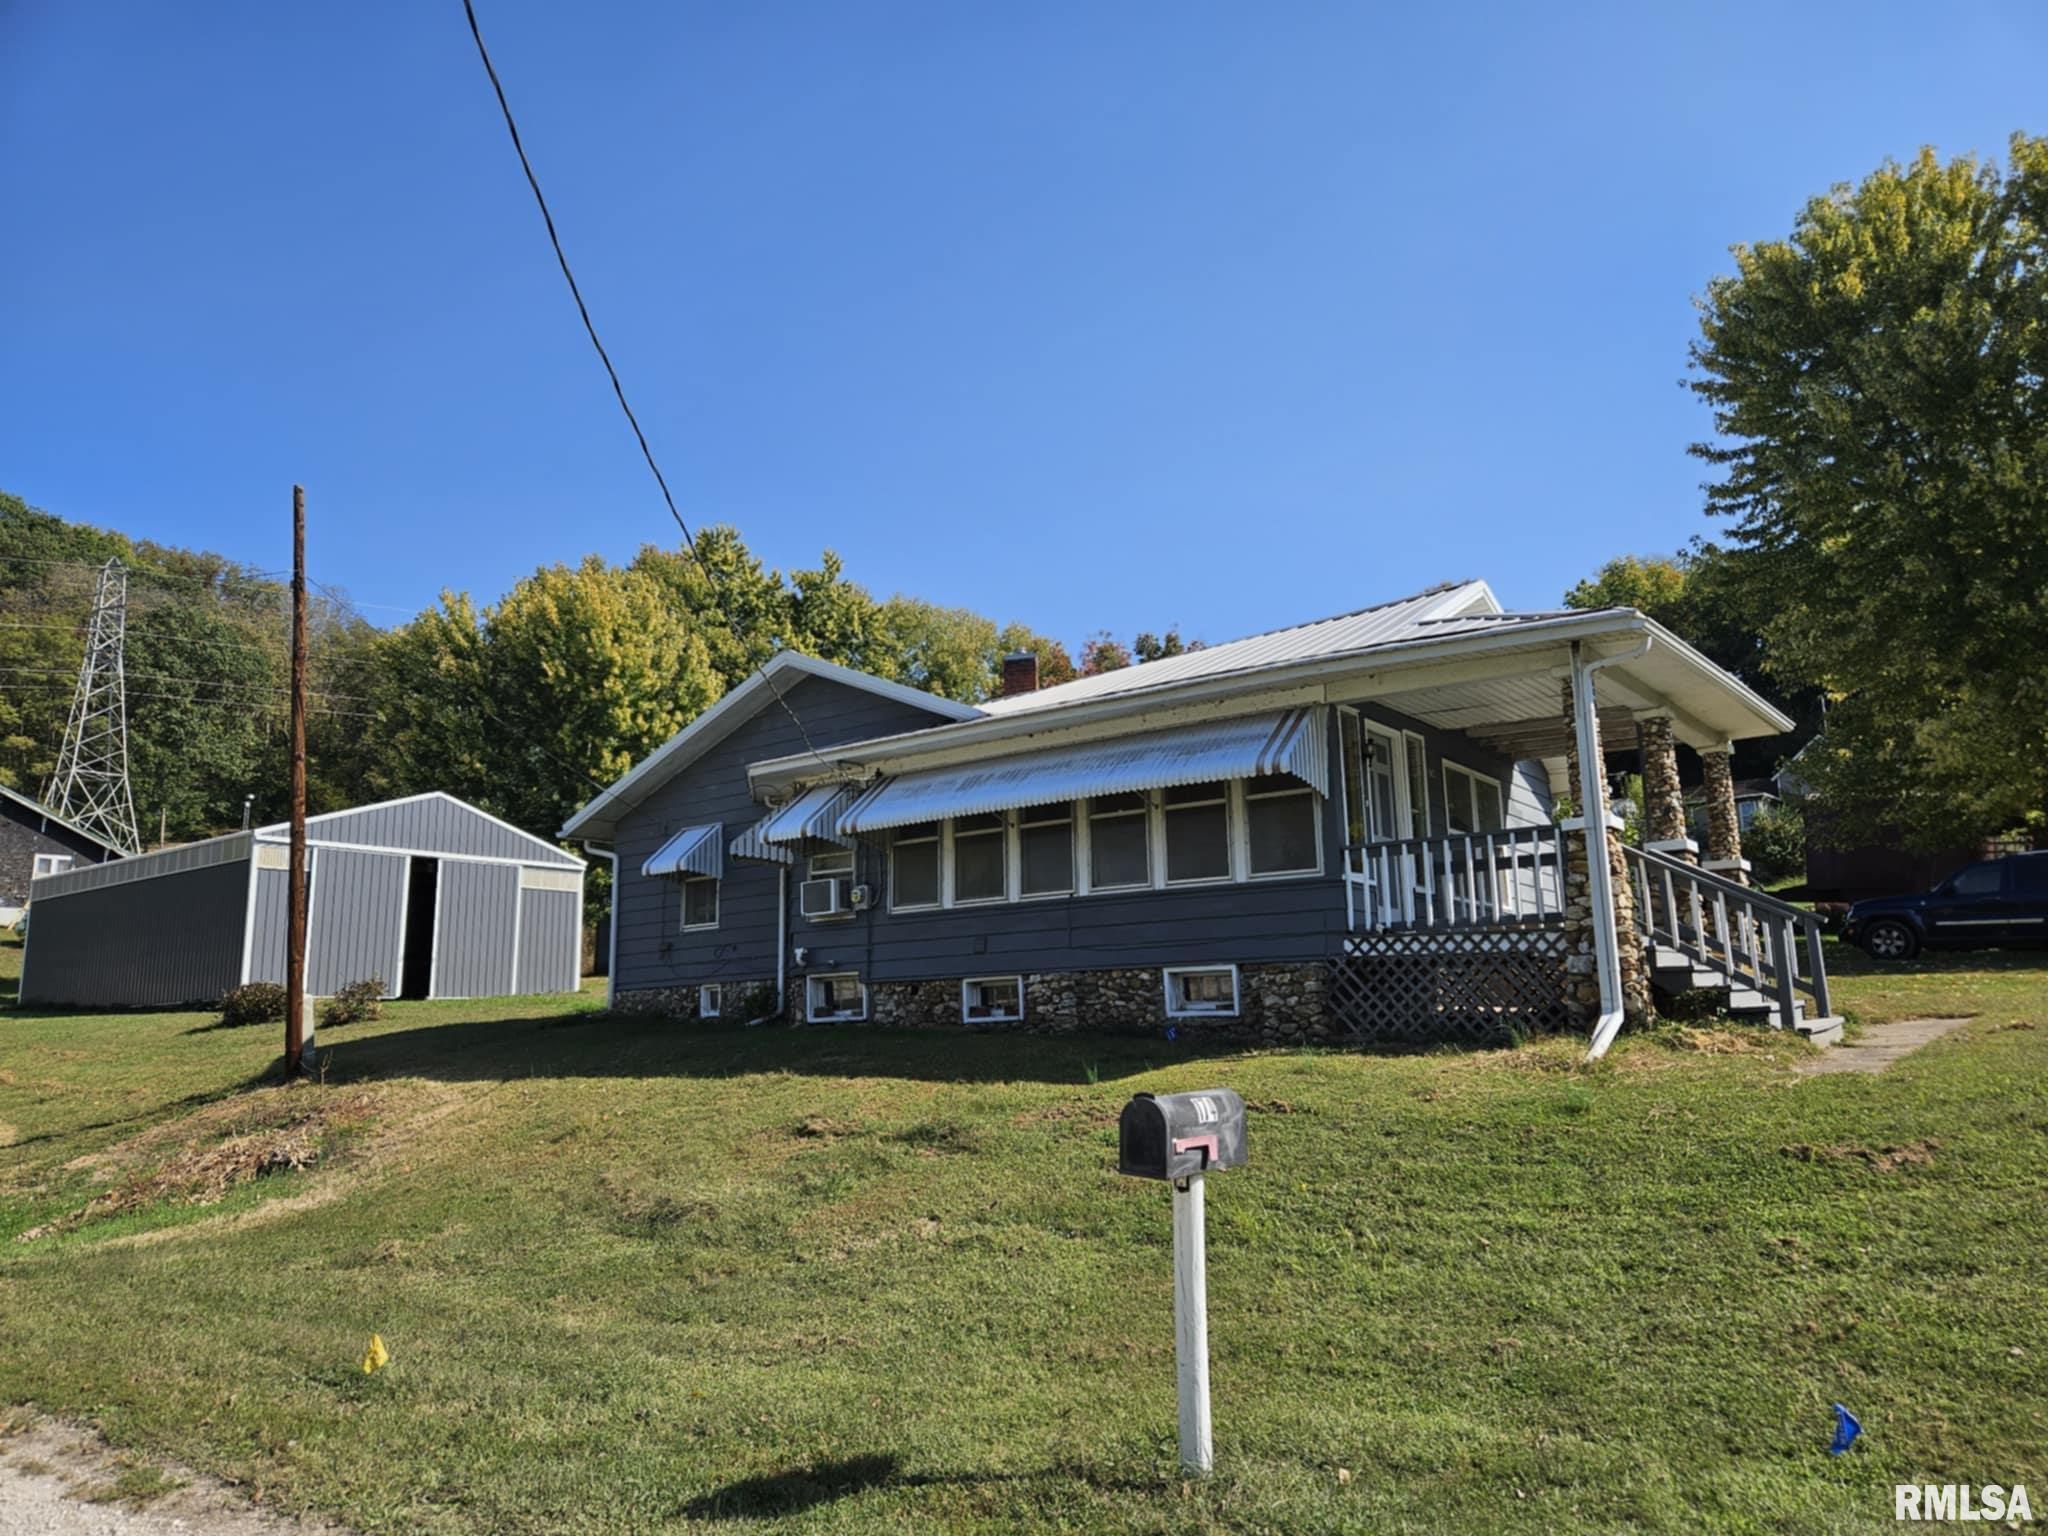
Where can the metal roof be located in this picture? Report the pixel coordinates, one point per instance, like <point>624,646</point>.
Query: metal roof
<point>68,825</point>
<point>599,817</point>
<point>692,851</point>
<point>1435,612</point>
<point>1290,742</point>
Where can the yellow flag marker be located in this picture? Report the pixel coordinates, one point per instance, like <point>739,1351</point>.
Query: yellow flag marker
<point>376,1357</point>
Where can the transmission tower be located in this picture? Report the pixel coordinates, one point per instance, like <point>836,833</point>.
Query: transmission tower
<point>90,787</point>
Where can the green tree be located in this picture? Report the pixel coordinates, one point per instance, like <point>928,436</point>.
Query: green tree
<point>1877,386</point>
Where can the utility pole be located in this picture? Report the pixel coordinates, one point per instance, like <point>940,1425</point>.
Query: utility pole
<point>295,926</point>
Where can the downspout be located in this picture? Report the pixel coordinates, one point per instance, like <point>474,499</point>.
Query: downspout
<point>1593,815</point>
<point>611,942</point>
<point>782,940</point>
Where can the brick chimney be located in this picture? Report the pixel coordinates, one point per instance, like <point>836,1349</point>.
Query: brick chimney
<point>1020,673</point>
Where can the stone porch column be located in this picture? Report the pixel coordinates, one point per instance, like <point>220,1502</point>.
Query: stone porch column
<point>1663,800</point>
<point>1582,980</point>
<point>1724,827</point>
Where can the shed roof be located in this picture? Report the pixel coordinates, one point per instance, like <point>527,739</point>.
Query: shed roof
<point>38,808</point>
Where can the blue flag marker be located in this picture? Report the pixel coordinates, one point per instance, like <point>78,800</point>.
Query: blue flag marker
<point>1847,1428</point>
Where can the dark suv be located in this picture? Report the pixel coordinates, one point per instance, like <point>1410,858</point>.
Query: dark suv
<point>1997,901</point>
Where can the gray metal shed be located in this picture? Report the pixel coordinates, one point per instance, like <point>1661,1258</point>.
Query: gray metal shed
<point>432,896</point>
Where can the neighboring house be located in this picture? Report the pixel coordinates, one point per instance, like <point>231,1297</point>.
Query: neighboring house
<point>427,894</point>
<point>35,841</point>
<point>1188,841</point>
<point>1751,797</point>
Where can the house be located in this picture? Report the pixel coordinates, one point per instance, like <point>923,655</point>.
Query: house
<point>36,841</point>
<point>427,894</point>
<point>1752,796</point>
<point>1341,828</point>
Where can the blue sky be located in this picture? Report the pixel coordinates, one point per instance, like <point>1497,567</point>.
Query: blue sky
<point>1080,314</point>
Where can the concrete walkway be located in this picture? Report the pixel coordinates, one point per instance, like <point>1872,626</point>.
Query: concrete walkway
<point>1878,1046</point>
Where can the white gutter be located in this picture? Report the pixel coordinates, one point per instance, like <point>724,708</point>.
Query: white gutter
<point>611,942</point>
<point>1593,815</point>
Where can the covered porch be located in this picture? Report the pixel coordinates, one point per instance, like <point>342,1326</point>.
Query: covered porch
<point>1496,922</point>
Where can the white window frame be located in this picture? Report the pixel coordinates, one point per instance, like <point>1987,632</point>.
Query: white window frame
<point>710,999</point>
<point>52,864</point>
<point>967,986</point>
<point>717,903</point>
<point>1233,867</point>
<point>1004,836</point>
<point>834,861</point>
<point>1144,816</point>
<point>938,845</point>
<point>1241,834</point>
<point>1180,1010</point>
<point>1015,856</point>
<point>1414,755</point>
<point>1471,806</point>
<point>811,1013</point>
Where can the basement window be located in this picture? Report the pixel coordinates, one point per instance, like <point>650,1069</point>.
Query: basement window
<point>992,999</point>
<point>710,998</point>
<point>1208,991</point>
<point>829,999</point>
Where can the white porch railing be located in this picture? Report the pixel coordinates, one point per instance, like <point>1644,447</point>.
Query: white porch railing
<point>1510,878</point>
<point>1757,941</point>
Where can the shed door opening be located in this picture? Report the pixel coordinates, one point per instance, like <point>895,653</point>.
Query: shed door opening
<point>423,888</point>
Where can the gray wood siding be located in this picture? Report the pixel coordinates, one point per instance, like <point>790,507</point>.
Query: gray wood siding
<point>148,943</point>
<point>354,934</point>
<point>23,835</point>
<point>434,825</point>
<point>653,951</point>
<point>473,953</point>
<point>550,941</point>
<point>1256,922</point>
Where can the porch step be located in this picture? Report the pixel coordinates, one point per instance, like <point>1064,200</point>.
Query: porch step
<point>1672,973</point>
<point>1827,1031</point>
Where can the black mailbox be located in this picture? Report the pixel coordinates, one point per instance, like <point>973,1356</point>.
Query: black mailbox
<point>1173,1135</point>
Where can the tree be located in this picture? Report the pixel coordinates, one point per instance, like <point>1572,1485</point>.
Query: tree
<point>1700,594</point>
<point>1877,382</point>
<point>1103,652</point>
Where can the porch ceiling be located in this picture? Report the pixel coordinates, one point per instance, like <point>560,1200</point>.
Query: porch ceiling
<point>1517,717</point>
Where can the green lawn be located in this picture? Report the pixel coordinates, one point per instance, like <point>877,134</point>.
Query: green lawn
<point>635,1274</point>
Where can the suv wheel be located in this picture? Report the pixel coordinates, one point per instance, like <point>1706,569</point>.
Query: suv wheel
<point>1888,939</point>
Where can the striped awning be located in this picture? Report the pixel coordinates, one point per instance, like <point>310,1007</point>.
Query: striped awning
<point>692,851</point>
<point>1292,743</point>
<point>750,844</point>
<point>812,817</point>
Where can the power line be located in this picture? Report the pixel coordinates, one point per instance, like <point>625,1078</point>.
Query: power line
<point>618,389</point>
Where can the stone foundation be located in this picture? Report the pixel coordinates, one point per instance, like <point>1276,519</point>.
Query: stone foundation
<point>681,1002</point>
<point>1277,1005</point>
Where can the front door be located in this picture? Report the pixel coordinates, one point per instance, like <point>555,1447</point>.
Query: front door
<point>1376,811</point>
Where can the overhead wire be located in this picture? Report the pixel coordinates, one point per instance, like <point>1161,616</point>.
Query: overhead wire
<point>618,389</point>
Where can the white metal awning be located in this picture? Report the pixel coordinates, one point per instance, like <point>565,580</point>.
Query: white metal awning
<point>692,851</point>
<point>812,817</point>
<point>1292,743</point>
<point>750,844</point>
